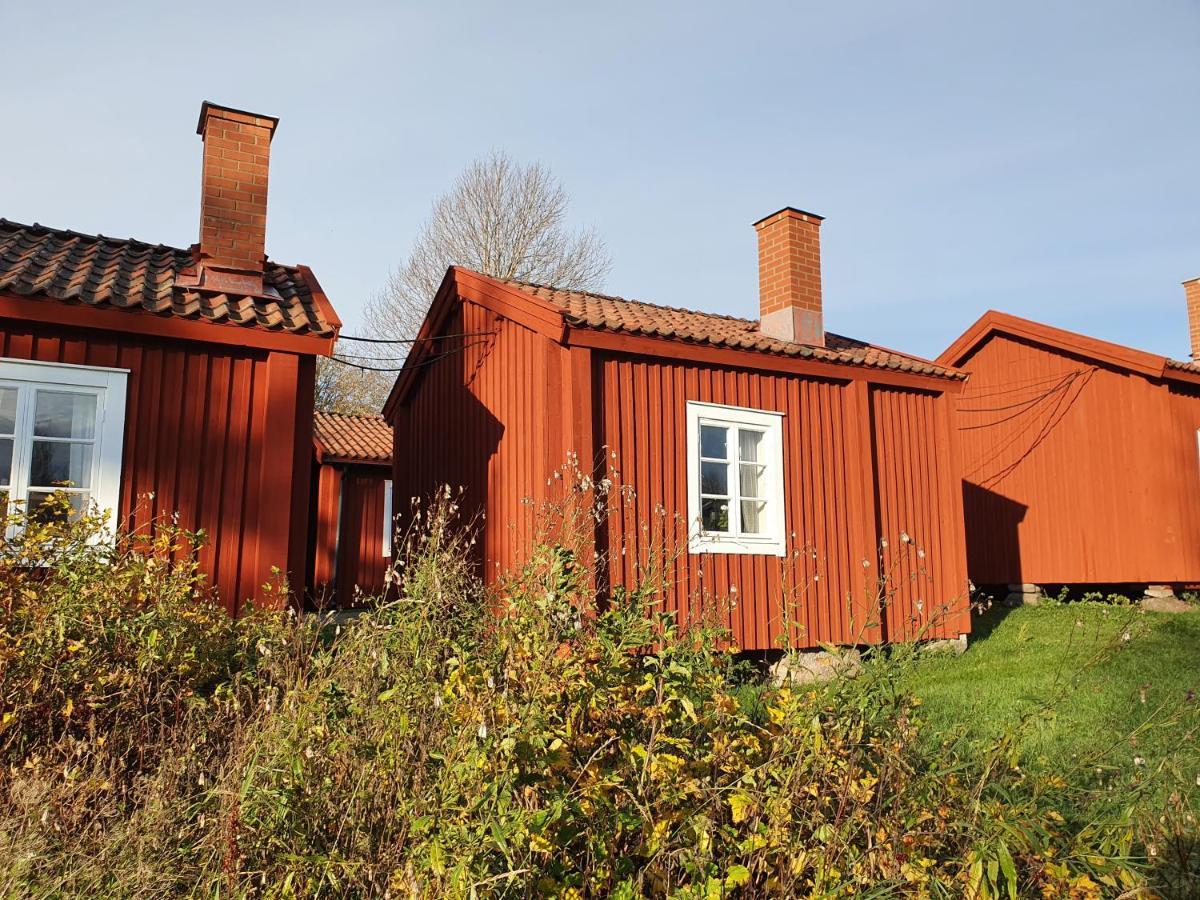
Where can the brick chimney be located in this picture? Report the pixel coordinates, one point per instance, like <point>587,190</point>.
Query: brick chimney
<point>1192,292</point>
<point>789,276</point>
<point>233,199</point>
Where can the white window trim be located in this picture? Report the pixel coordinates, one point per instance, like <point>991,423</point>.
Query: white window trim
<point>388,525</point>
<point>773,541</point>
<point>109,386</point>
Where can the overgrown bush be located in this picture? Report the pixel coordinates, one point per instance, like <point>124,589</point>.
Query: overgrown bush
<point>462,742</point>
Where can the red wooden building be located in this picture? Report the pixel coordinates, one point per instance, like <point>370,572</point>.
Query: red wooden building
<point>352,528</point>
<point>1080,457</point>
<point>768,461</point>
<point>159,381</point>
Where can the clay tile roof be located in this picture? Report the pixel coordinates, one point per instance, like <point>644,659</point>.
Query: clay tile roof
<point>602,312</point>
<point>353,438</point>
<point>1183,366</point>
<point>98,271</point>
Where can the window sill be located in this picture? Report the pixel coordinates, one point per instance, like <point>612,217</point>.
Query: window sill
<point>699,544</point>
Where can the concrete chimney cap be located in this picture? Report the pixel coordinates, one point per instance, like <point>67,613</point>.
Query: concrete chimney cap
<point>789,209</point>
<point>208,105</point>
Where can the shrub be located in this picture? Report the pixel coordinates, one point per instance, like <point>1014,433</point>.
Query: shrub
<point>461,742</point>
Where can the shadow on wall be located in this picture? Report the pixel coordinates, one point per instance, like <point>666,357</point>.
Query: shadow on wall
<point>993,539</point>
<point>448,434</point>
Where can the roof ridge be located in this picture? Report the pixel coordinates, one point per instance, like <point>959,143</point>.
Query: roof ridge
<point>618,299</point>
<point>108,239</point>
<point>322,412</point>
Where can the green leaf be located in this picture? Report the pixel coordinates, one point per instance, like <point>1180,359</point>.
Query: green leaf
<point>736,876</point>
<point>1009,868</point>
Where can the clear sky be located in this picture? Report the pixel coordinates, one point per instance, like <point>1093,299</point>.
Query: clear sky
<point>1041,158</point>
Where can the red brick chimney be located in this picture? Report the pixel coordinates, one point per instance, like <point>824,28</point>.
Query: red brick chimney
<point>233,199</point>
<point>789,276</point>
<point>1192,292</point>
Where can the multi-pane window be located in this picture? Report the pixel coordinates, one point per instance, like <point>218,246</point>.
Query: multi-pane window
<point>60,430</point>
<point>735,479</point>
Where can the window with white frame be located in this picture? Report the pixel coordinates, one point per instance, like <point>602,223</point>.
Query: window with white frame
<point>389,526</point>
<point>735,480</point>
<point>61,429</point>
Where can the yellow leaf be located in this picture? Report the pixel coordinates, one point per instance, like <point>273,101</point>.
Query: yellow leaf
<point>69,708</point>
<point>739,807</point>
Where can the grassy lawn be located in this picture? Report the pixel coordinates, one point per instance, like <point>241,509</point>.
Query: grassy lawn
<point>1087,685</point>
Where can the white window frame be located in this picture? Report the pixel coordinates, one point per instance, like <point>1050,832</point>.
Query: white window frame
<point>388,525</point>
<point>772,540</point>
<point>108,386</point>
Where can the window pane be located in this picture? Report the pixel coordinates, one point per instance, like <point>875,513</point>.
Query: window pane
<point>749,443</point>
<point>713,440</point>
<point>8,410</point>
<point>715,515</point>
<point>44,506</point>
<point>6,449</point>
<point>59,464</point>
<point>752,516</point>
<point>752,480</point>
<point>714,478</point>
<point>64,415</point>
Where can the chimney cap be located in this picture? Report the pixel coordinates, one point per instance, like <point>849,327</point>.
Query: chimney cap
<point>1190,280</point>
<point>789,209</point>
<point>208,106</point>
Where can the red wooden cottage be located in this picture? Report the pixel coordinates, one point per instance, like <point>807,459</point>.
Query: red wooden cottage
<point>158,381</point>
<point>352,527</point>
<point>1080,457</point>
<point>768,461</point>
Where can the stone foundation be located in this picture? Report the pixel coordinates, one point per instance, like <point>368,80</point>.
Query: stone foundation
<point>1023,595</point>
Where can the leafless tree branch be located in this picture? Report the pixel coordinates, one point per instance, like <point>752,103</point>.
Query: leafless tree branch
<point>501,219</point>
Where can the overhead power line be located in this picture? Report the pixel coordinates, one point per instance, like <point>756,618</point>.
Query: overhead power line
<point>436,337</point>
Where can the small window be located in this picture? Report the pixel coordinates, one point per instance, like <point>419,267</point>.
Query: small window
<point>735,480</point>
<point>61,429</point>
<point>389,526</point>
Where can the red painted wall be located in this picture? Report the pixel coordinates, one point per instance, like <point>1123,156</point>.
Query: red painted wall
<point>486,419</point>
<point>348,560</point>
<point>498,415</point>
<point>861,466</point>
<point>219,434</point>
<point>1076,472</point>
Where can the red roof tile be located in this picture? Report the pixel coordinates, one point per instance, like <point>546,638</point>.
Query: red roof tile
<point>358,438</point>
<point>606,313</point>
<point>98,271</point>
<point>1183,366</point>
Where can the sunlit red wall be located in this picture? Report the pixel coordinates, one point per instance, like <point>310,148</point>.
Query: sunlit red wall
<point>218,434</point>
<point>865,463</point>
<point>1076,472</point>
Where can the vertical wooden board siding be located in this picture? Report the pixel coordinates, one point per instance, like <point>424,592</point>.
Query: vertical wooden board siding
<point>1074,472</point>
<point>360,562</point>
<point>815,588</point>
<point>496,415</point>
<point>200,447</point>
<point>327,487</point>
<point>924,587</point>
<point>481,420</point>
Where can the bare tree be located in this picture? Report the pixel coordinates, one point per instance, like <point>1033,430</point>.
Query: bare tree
<point>342,388</point>
<point>502,219</point>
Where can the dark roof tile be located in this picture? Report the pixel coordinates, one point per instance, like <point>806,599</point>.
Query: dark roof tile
<point>97,271</point>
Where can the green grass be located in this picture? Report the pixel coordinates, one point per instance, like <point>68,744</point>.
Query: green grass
<point>1092,686</point>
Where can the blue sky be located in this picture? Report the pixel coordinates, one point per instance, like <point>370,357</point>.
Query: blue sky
<point>1040,158</point>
